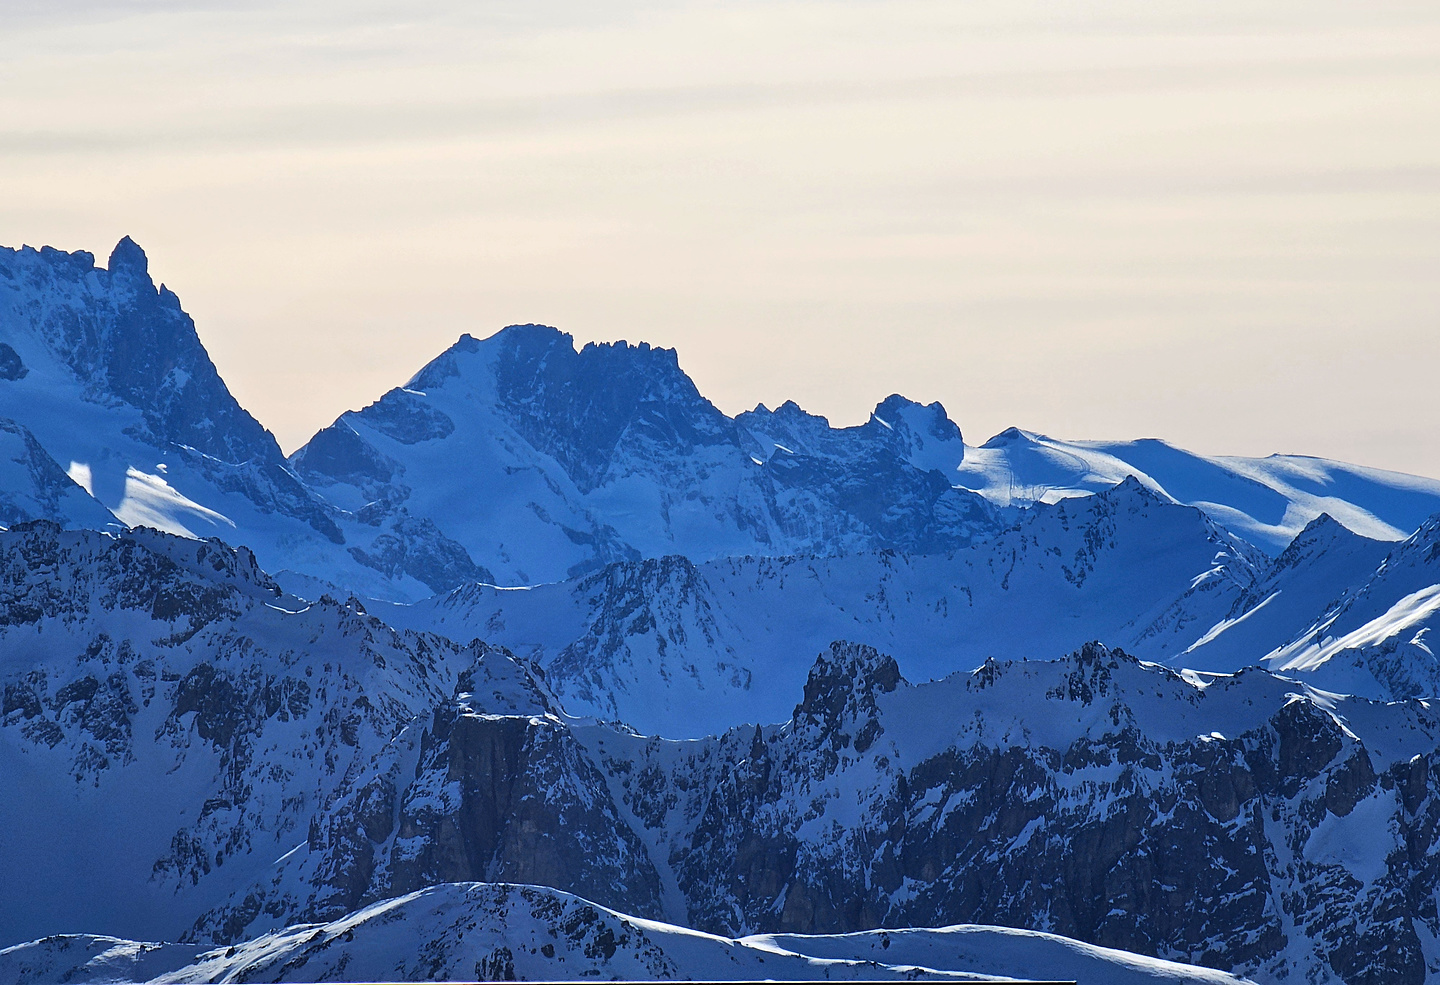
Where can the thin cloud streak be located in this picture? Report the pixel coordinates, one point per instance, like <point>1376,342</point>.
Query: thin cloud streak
<point>348,124</point>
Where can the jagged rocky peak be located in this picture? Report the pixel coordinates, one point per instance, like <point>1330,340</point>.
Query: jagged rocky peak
<point>210,559</point>
<point>1132,489</point>
<point>844,682</point>
<point>1420,548</point>
<point>1135,496</point>
<point>54,572</point>
<point>122,338</point>
<point>129,265</point>
<point>1130,495</point>
<point>920,434</point>
<point>647,575</point>
<point>1084,675</point>
<point>1320,535</point>
<point>580,406</point>
<point>921,425</point>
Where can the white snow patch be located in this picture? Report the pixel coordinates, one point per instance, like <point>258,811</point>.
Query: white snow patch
<point>1409,611</point>
<point>79,473</point>
<point>150,501</point>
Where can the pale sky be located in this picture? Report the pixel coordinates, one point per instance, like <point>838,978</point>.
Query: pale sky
<point>1215,222</point>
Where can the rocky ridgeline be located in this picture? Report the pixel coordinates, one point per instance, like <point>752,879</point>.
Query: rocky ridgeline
<point>1282,846</point>
<point>316,761</point>
<point>610,453</point>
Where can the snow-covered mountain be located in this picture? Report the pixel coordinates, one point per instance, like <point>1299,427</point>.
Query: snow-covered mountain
<point>1375,639</point>
<point>611,454</point>
<point>1321,566</point>
<point>198,752</point>
<point>259,762</point>
<point>545,463</point>
<point>33,486</point>
<point>106,374</point>
<point>488,931</point>
<point>1268,501</point>
<point>518,460</point>
<point>1242,821</point>
<point>165,686</point>
<point>683,649</point>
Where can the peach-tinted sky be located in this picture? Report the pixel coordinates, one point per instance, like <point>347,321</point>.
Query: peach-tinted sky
<point>1216,222</point>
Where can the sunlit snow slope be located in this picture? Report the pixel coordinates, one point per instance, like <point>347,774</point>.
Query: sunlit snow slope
<point>119,415</point>
<point>495,931</point>
<point>1268,501</point>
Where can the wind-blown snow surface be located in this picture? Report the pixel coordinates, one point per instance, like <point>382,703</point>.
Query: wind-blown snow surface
<point>1268,501</point>
<point>479,931</point>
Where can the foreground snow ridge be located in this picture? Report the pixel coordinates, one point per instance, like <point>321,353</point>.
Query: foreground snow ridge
<point>488,931</point>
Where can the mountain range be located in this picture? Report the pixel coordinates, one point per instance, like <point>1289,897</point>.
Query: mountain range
<point>517,460</point>
<point>542,665</point>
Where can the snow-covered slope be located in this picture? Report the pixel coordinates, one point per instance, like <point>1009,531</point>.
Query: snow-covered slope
<point>1268,501</point>
<point>1275,829</point>
<point>1322,566</point>
<point>519,460</point>
<point>1244,822</point>
<point>545,463</point>
<point>485,932</point>
<point>683,649</point>
<point>107,374</point>
<point>257,763</point>
<point>33,486</point>
<point>188,752</point>
<point>170,728</point>
<point>1376,638</point>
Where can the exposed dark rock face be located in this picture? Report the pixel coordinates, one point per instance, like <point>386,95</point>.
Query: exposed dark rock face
<point>532,809</point>
<point>150,356</point>
<point>12,367</point>
<point>858,815</point>
<point>1201,850</point>
<point>337,452</point>
<point>415,547</point>
<point>582,407</point>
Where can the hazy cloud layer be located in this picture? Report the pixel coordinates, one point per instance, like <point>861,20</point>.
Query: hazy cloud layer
<point>1218,222</point>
